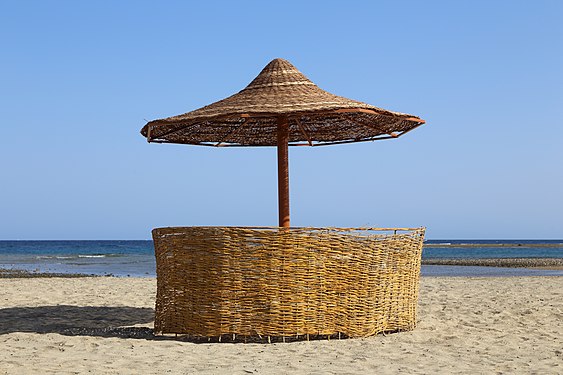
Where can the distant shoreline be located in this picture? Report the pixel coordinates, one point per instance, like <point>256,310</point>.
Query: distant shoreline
<point>493,244</point>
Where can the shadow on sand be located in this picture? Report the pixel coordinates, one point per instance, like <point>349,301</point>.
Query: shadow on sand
<point>100,321</point>
<point>116,322</point>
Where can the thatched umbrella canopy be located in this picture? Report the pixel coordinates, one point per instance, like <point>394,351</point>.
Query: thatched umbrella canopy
<point>281,107</point>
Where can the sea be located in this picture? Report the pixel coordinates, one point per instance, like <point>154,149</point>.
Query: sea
<point>125,258</point>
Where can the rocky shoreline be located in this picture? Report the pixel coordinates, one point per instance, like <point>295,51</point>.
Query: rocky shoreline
<point>15,274</point>
<point>552,263</point>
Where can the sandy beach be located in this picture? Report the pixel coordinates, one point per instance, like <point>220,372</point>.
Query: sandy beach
<point>466,325</point>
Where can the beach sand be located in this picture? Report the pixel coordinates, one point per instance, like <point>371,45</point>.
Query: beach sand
<point>466,325</point>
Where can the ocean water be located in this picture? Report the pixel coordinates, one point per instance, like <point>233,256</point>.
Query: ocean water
<point>493,249</point>
<point>136,258</point>
<point>117,258</point>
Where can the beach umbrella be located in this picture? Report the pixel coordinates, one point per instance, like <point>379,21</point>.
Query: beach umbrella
<point>281,107</point>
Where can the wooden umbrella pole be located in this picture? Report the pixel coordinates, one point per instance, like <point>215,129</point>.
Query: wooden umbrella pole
<point>283,171</point>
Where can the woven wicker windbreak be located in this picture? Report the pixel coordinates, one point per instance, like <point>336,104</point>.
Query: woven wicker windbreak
<point>214,281</point>
<point>249,118</point>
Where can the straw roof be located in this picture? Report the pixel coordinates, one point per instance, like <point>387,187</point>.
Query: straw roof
<point>249,117</point>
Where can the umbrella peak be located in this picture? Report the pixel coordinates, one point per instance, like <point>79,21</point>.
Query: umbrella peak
<point>278,73</point>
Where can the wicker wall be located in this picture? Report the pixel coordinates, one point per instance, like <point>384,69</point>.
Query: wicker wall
<point>214,281</point>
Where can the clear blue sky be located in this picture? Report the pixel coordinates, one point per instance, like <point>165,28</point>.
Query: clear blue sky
<point>79,79</point>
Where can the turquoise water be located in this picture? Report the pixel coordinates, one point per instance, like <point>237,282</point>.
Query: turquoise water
<point>136,258</point>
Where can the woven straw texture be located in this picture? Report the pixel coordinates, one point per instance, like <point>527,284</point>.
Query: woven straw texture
<point>249,117</point>
<point>214,281</point>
